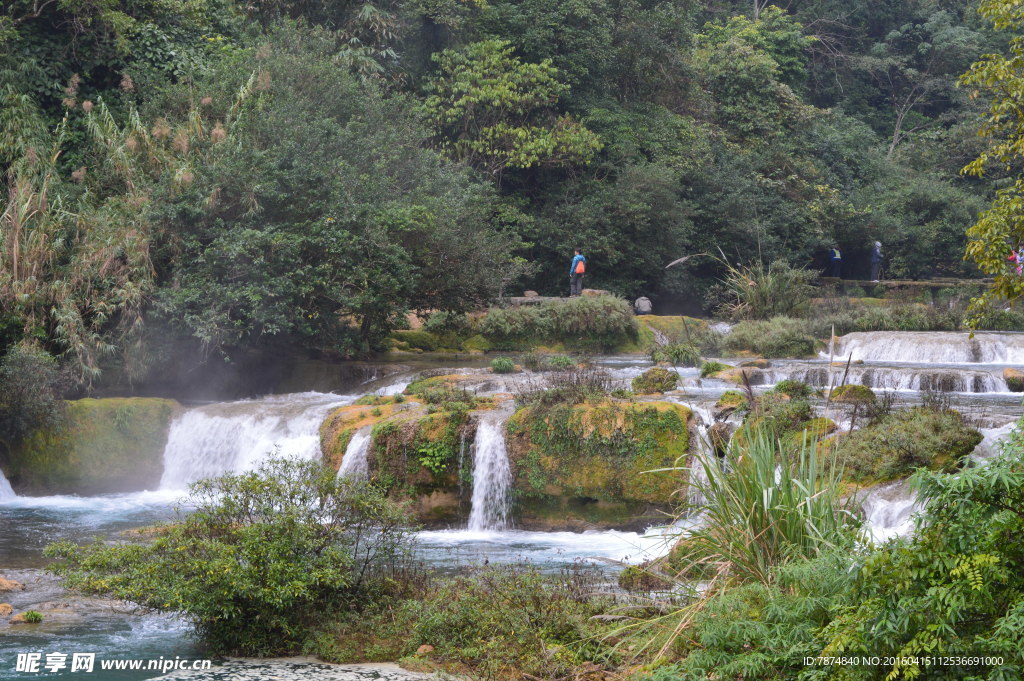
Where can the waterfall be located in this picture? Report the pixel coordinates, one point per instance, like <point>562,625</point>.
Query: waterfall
<point>355,464</point>
<point>889,509</point>
<point>492,476</point>
<point>6,491</point>
<point>932,347</point>
<point>947,379</point>
<point>231,437</point>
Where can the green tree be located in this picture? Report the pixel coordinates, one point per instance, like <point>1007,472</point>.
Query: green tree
<point>493,111</point>
<point>999,231</point>
<point>262,559</point>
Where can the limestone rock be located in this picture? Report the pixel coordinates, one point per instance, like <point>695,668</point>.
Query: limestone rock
<point>6,609</point>
<point>595,292</point>
<point>424,650</point>
<point>530,294</point>
<point>1014,379</point>
<point>757,364</point>
<point>10,585</point>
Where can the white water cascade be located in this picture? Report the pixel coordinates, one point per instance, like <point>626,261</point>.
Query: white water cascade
<point>6,492</point>
<point>355,463</point>
<point>232,437</point>
<point>918,378</point>
<point>492,476</point>
<point>932,347</point>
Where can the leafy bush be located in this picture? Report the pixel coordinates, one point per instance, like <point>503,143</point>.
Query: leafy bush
<point>851,393</point>
<point>759,292</point>
<point>558,363</point>
<point>33,616</point>
<point>506,621</point>
<point>778,415</point>
<point>792,388</point>
<point>420,340</point>
<point>777,337</point>
<point>904,440</point>
<point>263,557</point>
<point>31,388</point>
<point>502,365</point>
<point>955,589</point>
<point>586,322</point>
<point>655,380</point>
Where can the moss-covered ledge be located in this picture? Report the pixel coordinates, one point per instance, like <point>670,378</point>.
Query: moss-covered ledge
<point>593,462</point>
<point>102,446</point>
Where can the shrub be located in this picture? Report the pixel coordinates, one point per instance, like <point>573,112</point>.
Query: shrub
<point>777,337</point>
<point>955,588</point>
<point>31,387</point>
<point>421,340</point>
<point>587,322</point>
<point>710,368</point>
<point>778,415</point>
<point>792,388</point>
<point>759,292</point>
<point>506,621</point>
<point>558,363</point>
<point>502,365</point>
<point>904,440</point>
<point>263,557</point>
<point>33,616</point>
<point>851,393</point>
<point>655,380</point>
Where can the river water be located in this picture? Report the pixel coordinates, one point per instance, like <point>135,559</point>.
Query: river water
<point>218,437</point>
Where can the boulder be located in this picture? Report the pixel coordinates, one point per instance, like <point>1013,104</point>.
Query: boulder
<point>6,609</point>
<point>10,585</point>
<point>424,650</point>
<point>530,294</point>
<point>1014,379</point>
<point>757,364</point>
<point>851,393</point>
<point>595,292</point>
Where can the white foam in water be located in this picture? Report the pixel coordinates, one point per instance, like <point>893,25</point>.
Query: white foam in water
<point>991,442</point>
<point>232,437</point>
<point>551,548</point>
<point>108,504</point>
<point>492,476</point>
<point>932,347</point>
<point>6,491</point>
<point>915,378</point>
<point>889,509</point>
<point>355,464</point>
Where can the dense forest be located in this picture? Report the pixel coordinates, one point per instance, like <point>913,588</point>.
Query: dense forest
<point>219,175</point>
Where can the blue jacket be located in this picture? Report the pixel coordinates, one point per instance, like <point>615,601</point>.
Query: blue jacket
<point>835,254</point>
<point>576,259</point>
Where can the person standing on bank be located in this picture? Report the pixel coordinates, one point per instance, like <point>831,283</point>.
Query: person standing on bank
<point>836,258</point>
<point>876,261</point>
<point>576,270</point>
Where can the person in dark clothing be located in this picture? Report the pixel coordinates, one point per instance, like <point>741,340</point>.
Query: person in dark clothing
<point>576,269</point>
<point>836,258</point>
<point>876,261</point>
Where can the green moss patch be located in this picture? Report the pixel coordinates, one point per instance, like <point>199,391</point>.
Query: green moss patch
<point>602,451</point>
<point>104,445</point>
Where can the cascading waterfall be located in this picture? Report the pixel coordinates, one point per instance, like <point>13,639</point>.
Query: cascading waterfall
<point>492,476</point>
<point>932,347</point>
<point>355,463</point>
<point>235,436</point>
<point>960,380</point>
<point>6,491</point>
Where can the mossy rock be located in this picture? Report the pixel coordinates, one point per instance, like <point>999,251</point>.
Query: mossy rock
<point>1014,379</point>
<point>417,340</point>
<point>730,401</point>
<point>853,394</point>
<point>756,364</point>
<point>742,376</point>
<point>655,380</point>
<point>600,450</point>
<point>103,446</point>
<point>667,326</point>
<point>477,343</point>
<point>340,424</point>
<point>642,578</point>
<point>812,431</point>
<point>902,441</point>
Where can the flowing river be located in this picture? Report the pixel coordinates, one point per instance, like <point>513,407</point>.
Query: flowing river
<point>214,438</point>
